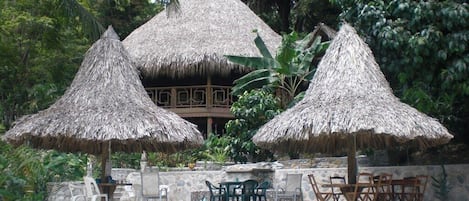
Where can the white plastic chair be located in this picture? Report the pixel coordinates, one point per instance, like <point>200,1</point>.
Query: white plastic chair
<point>292,189</point>
<point>92,190</point>
<point>77,192</point>
<point>151,188</point>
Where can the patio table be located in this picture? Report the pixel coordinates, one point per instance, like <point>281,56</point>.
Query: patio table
<point>348,190</point>
<point>229,187</point>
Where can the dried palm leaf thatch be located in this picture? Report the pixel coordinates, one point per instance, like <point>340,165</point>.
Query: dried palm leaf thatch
<point>349,96</point>
<point>106,102</point>
<point>194,41</point>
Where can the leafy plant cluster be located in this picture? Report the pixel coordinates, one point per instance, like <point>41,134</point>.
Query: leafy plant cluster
<point>287,73</point>
<point>253,109</point>
<point>441,185</point>
<point>24,172</point>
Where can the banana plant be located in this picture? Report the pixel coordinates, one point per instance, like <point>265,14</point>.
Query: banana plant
<point>286,72</point>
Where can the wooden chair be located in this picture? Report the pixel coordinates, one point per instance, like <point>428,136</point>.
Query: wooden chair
<point>336,192</point>
<point>408,189</point>
<point>292,189</point>
<point>320,195</point>
<point>421,186</point>
<point>383,187</point>
<point>364,188</point>
<point>216,193</point>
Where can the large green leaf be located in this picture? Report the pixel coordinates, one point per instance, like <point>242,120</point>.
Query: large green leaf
<point>262,47</point>
<point>253,62</point>
<point>252,80</point>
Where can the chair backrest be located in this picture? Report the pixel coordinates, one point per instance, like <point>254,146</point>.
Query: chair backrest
<point>423,180</point>
<point>76,191</point>
<point>293,182</point>
<point>262,187</point>
<point>249,187</point>
<point>150,183</point>
<point>314,185</point>
<point>364,188</point>
<point>422,186</point>
<point>384,183</point>
<point>91,188</point>
<point>212,188</point>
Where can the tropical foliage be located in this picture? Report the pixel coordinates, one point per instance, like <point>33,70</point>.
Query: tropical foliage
<point>290,70</point>
<point>25,172</point>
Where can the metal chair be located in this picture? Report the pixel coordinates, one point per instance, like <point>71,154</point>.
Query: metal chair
<point>92,191</point>
<point>336,192</point>
<point>320,195</point>
<point>150,181</point>
<point>261,191</point>
<point>77,192</point>
<point>292,189</point>
<point>216,193</point>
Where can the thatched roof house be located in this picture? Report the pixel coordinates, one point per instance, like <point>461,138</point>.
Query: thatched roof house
<point>349,96</point>
<point>194,41</point>
<point>106,102</point>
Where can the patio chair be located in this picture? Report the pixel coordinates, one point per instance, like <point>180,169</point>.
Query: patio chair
<point>364,188</point>
<point>336,192</point>
<point>320,195</point>
<point>383,183</point>
<point>292,189</point>
<point>77,192</point>
<point>216,193</point>
<point>150,180</point>
<point>92,191</point>
<point>421,186</point>
<point>249,190</point>
<point>261,191</point>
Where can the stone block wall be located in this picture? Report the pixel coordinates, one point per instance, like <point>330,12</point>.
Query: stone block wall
<point>190,185</point>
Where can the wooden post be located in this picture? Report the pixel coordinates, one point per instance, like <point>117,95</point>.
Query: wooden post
<point>352,160</point>
<point>208,95</point>
<point>208,92</point>
<point>174,97</point>
<point>209,126</point>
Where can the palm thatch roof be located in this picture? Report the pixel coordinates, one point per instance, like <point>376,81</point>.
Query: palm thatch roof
<point>349,95</point>
<point>106,102</point>
<point>194,41</point>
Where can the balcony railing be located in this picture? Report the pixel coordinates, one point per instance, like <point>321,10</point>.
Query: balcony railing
<point>201,96</point>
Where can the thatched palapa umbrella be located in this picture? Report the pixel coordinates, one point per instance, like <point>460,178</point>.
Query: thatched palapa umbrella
<point>105,106</point>
<point>349,100</point>
<point>193,41</point>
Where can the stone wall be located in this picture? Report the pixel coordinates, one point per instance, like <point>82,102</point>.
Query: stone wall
<point>190,185</point>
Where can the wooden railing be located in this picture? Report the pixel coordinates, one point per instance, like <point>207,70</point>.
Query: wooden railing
<point>200,96</point>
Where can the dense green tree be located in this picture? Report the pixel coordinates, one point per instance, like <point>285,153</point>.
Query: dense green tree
<point>125,15</point>
<point>301,16</point>
<point>252,110</point>
<point>38,57</point>
<point>422,46</point>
